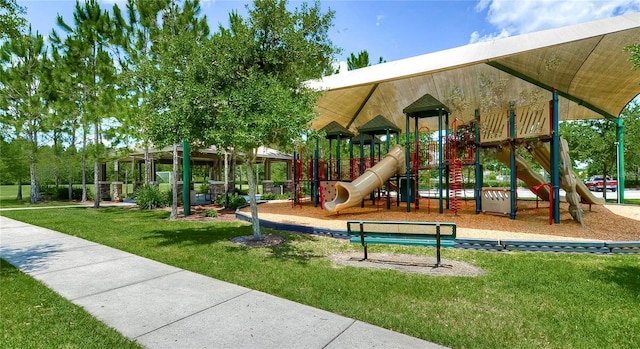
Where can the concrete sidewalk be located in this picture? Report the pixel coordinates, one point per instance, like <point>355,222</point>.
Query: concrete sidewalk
<point>161,306</point>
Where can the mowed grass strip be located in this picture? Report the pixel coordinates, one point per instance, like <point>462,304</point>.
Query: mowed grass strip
<point>33,316</point>
<point>525,300</point>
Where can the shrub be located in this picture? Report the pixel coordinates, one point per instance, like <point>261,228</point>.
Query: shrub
<point>210,213</point>
<point>235,201</point>
<point>268,196</point>
<point>62,193</point>
<point>149,197</point>
<point>203,188</point>
<point>272,196</point>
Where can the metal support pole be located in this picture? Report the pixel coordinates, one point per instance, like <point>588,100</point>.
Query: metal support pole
<point>478,166</point>
<point>440,162</point>
<point>338,167</point>
<point>388,181</point>
<point>416,182</point>
<point>329,166</point>
<point>620,158</point>
<point>407,161</point>
<point>448,163</point>
<point>512,158</point>
<point>555,159</point>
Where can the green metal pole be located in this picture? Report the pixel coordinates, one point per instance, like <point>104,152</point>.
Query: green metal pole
<point>186,178</point>
<point>440,162</point>
<point>620,151</point>
<point>447,165</point>
<point>387,185</point>
<point>416,180</point>
<point>555,159</point>
<point>361,160</point>
<point>407,161</point>
<point>338,167</point>
<point>512,158</point>
<point>478,166</point>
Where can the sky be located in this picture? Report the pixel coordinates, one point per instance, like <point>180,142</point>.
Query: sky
<point>396,29</point>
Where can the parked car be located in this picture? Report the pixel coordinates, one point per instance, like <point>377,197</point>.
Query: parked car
<point>596,183</point>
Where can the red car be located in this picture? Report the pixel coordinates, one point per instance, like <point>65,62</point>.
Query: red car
<point>596,183</point>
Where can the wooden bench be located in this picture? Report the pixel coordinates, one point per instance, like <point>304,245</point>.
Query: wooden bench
<point>436,234</point>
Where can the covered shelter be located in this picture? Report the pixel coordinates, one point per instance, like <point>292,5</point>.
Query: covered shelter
<point>584,65</point>
<point>217,161</point>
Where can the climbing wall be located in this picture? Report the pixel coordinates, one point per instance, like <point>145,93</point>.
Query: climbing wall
<point>329,190</point>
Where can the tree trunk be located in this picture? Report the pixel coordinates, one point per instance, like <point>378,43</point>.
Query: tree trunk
<point>84,165</point>
<point>35,187</point>
<point>253,185</point>
<point>96,168</point>
<point>226,179</point>
<point>174,189</point>
<point>70,187</point>
<point>19,196</point>
<point>147,165</point>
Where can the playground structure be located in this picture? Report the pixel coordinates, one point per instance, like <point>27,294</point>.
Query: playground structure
<point>454,145</point>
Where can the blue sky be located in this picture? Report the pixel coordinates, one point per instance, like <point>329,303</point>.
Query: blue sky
<point>399,29</point>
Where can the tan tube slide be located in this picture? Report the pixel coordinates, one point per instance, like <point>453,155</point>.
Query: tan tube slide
<point>542,154</point>
<point>351,194</point>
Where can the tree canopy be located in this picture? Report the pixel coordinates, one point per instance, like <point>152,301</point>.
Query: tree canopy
<point>261,63</point>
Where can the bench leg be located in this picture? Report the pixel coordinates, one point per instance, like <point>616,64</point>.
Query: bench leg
<point>438,264</point>
<point>364,244</point>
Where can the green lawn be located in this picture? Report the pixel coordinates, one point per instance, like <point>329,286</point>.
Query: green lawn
<point>526,300</point>
<point>33,316</point>
<point>8,195</point>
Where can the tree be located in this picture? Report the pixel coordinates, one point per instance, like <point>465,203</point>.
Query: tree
<point>14,164</point>
<point>361,60</point>
<point>66,116</point>
<point>11,20</point>
<point>262,62</point>
<point>634,57</point>
<point>178,76</point>
<point>22,102</point>
<point>139,28</point>
<point>90,41</point>
<point>592,142</point>
<point>631,118</point>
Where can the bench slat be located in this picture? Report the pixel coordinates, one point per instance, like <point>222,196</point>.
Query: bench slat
<point>413,242</point>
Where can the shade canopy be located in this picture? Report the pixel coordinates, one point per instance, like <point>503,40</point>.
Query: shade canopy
<point>586,63</point>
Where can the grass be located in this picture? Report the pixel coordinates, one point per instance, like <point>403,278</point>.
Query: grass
<point>33,316</point>
<point>526,300</point>
<point>8,195</point>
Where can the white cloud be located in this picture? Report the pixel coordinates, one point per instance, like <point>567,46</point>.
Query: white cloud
<point>475,36</point>
<point>379,18</point>
<point>524,16</point>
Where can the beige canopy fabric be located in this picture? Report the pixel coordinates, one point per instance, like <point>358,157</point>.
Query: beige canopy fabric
<point>585,63</point>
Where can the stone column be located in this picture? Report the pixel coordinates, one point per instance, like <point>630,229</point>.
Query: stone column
<point>117,191</point>
<point>105,190</point>
<point>267,187</point>
<point>287,186</point>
